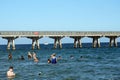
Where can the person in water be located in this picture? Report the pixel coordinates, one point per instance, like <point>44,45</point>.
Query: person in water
<point>29,55</point>
<point>10,73</point>
<point>10,56</point>
<point>71,56</point>
<point>59,58</point>
<point>54,59</point>
<point>49,61</point>
<point>35,57</point>
<point>22,58</point>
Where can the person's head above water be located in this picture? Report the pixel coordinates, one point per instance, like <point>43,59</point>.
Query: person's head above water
<point>10,72</point>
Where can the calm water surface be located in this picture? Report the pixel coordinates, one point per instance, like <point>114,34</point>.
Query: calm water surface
<point>96,63</point>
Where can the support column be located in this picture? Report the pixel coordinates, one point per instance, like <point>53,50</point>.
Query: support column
<point>96,42</point>
<point>13,44</point>
<point>113,41</point>
<point>57,42</point>
<point>11,41</point>
<point>8,44</point>
<point>35,43</point>
<point>77,41</point>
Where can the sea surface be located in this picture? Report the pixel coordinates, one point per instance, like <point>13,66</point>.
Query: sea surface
<point>86,63</point>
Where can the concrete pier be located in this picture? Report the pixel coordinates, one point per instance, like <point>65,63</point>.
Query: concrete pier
<point>58,35</point>
<point>57,42</point>
<point>113,41</point>
<point>77,42</point>
<point>35,42</point>
<point>11,42</point>
<point>96,42</point>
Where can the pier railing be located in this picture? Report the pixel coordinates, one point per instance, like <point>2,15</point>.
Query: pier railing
<point>59,33</point>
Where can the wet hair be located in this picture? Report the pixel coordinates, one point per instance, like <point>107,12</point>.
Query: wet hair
<point>11,67</point>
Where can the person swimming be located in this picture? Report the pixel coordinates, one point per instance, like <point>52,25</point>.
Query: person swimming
<point>10,73</point>
<point>22,58</point>
<point>59,58</point>
<point>49,61</point>
<point>54,59</point>
<point>35,57</point>
<point>10,56</point>
<point>71,56</point>
<point>29,55</point>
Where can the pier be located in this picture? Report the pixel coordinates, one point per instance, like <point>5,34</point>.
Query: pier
<point>58,35</point>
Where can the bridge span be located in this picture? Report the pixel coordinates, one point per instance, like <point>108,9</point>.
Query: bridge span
<point>58,35</point>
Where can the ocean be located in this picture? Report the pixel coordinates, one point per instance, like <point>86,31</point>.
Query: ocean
<point>86,63</point>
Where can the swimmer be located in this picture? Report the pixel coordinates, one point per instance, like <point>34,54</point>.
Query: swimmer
<point>82,58</point>
<point>71,57</point>
<point>34,55</point>
<point>10,56</point>
<point>10,73</point>
<point>22,58</point>
<point>29,55</point>
<point>54,59</point>
<point>36,59</point>
<point>49,61</point>
<point>39,73</point>
<point>59,58</point>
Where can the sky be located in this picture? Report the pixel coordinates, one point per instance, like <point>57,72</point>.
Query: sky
<point>59,15</point>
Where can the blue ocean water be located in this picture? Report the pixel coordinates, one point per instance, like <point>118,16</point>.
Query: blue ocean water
<point>95,64</point>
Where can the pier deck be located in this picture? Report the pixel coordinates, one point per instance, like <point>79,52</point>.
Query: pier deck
<point>58,35</point>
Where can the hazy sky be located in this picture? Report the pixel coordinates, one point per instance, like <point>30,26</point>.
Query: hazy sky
<point>60,15</point>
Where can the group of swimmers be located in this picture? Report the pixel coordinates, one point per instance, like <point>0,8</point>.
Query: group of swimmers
<point>32,55</point>
<point>53,59</point>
